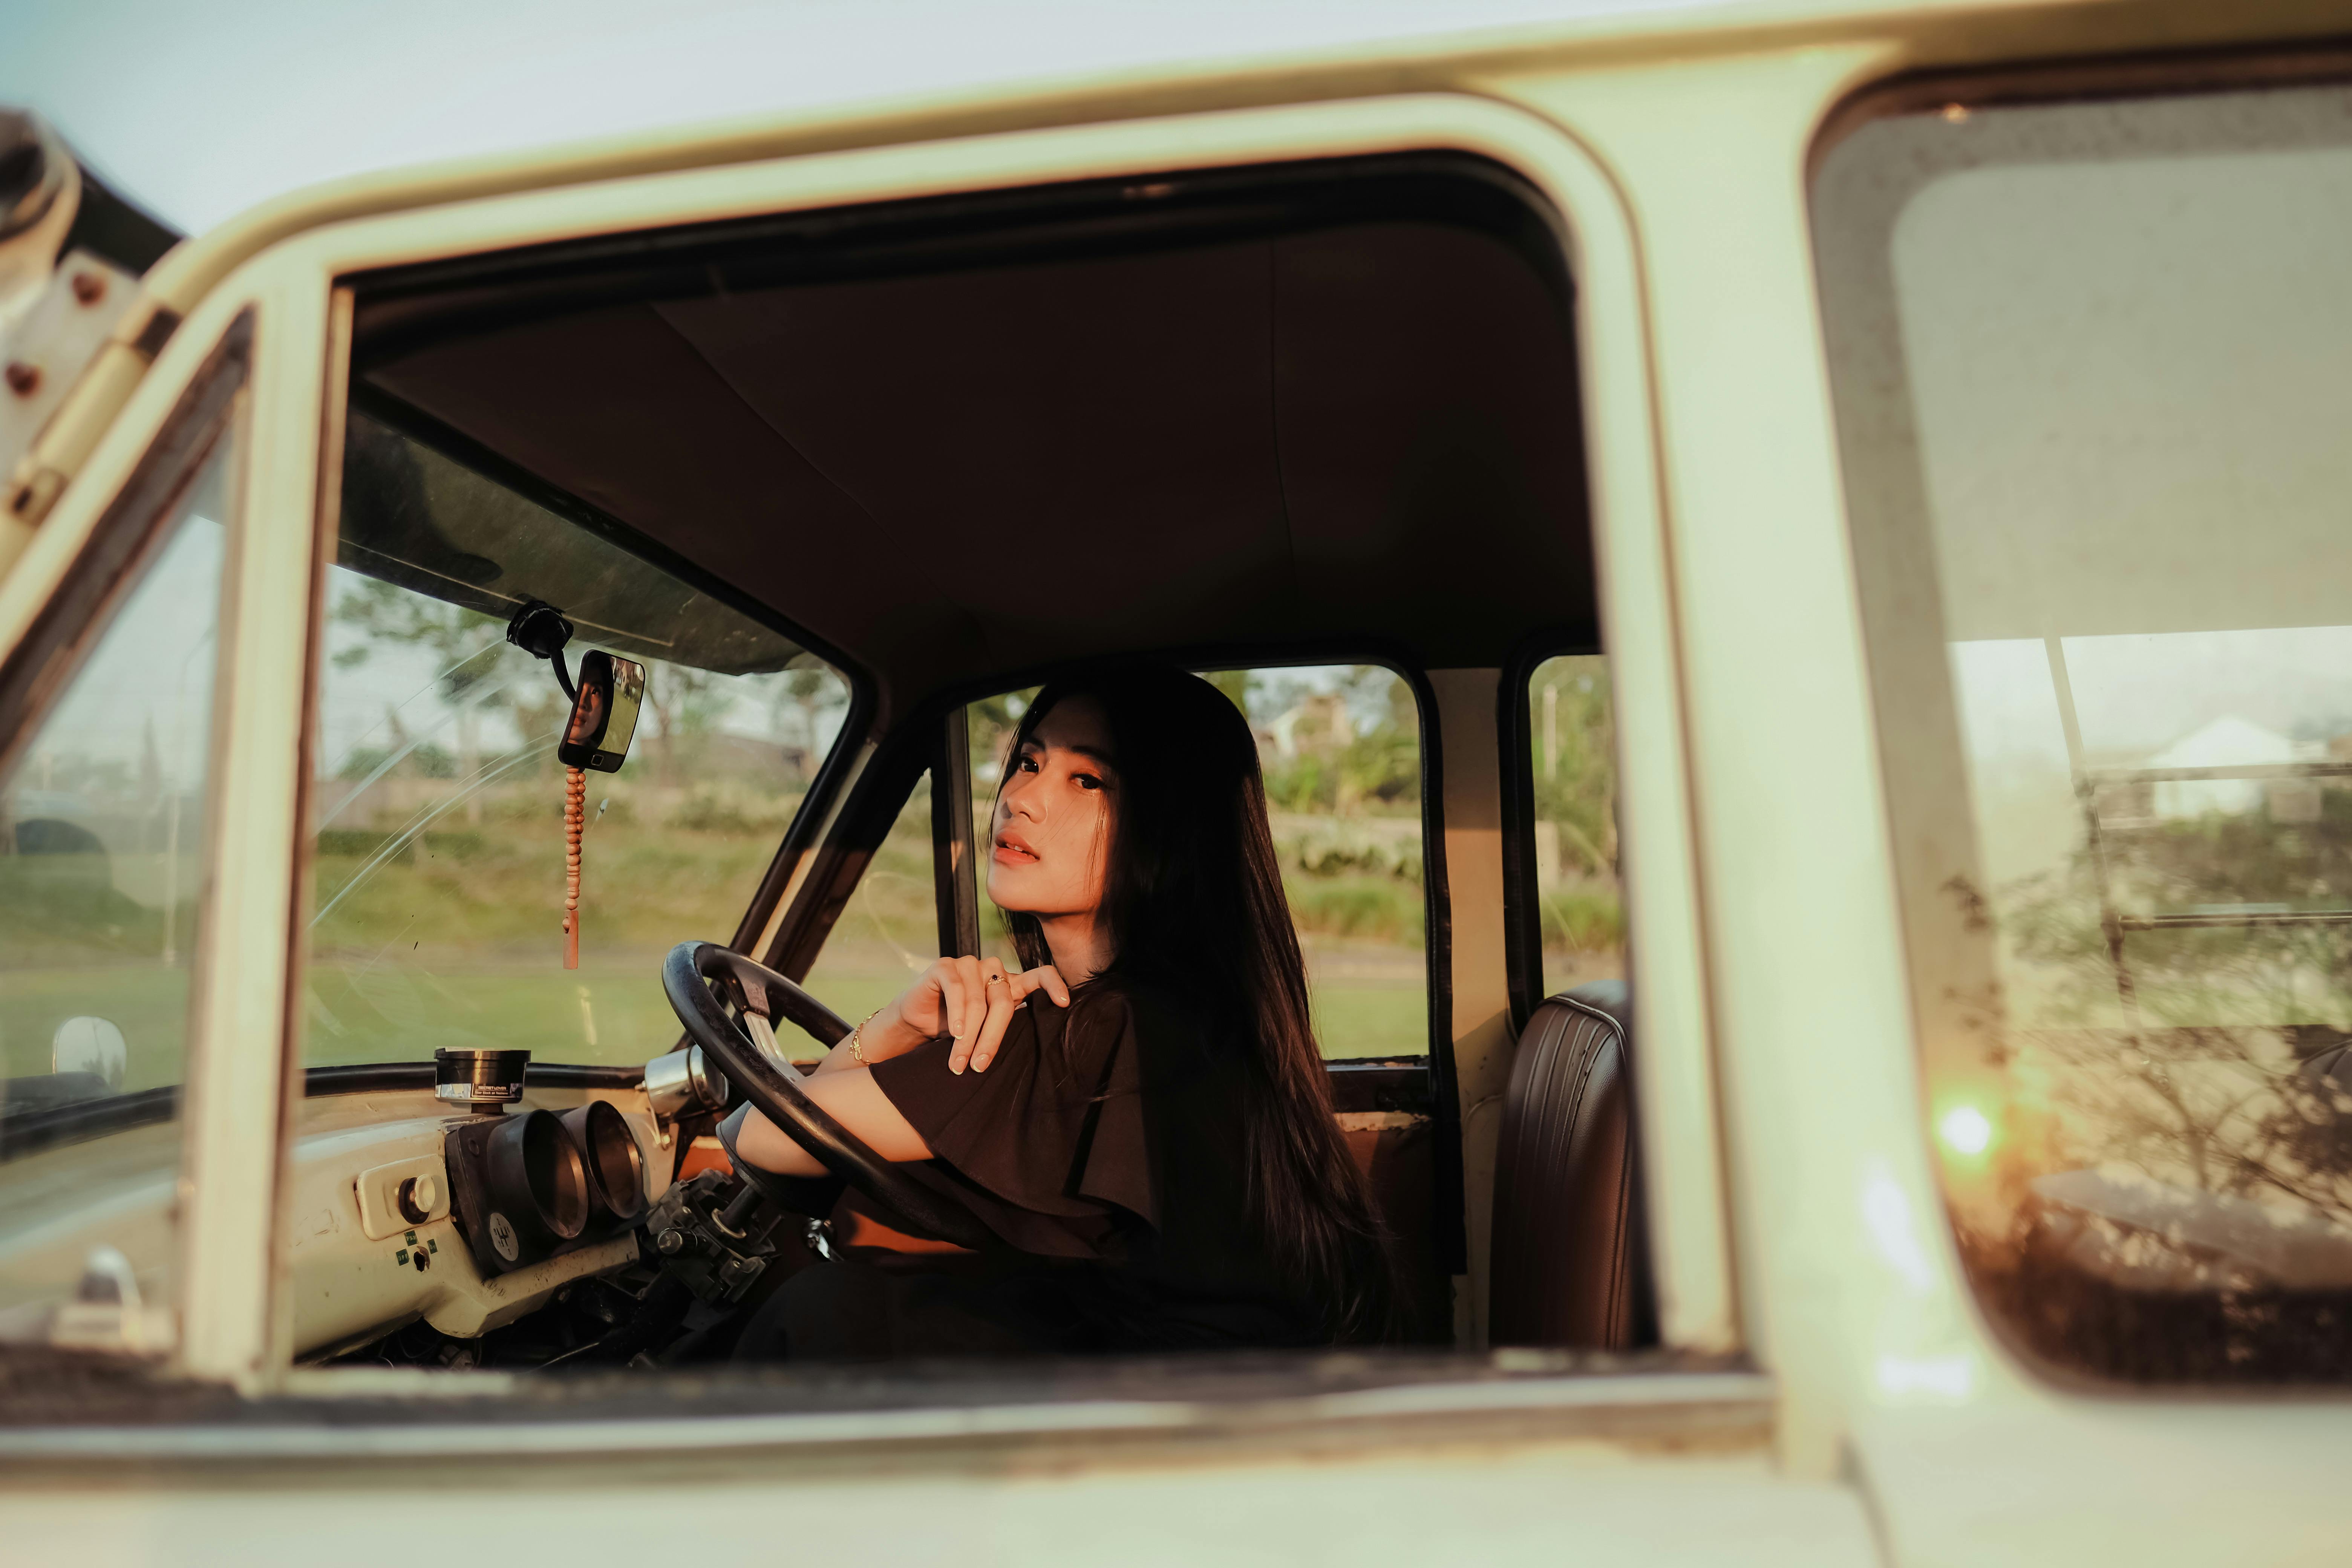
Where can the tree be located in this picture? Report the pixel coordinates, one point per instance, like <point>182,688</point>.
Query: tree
<point>467,645</point>
<point>686,701</point>
<point>811,688</point>
<point>1573,738</point>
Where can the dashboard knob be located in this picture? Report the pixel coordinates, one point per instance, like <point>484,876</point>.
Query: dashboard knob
<point>418,1196</point>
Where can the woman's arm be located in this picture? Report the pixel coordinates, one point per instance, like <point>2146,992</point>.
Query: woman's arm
<point>850,1096</point>
<point>971,998</point>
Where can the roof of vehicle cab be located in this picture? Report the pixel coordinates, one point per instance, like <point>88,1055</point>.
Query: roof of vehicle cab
<point>1325,438</point>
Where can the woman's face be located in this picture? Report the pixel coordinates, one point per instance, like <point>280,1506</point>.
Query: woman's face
<point>1050,840</point>
<point>587,716</point>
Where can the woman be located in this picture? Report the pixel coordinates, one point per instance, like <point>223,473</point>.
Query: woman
<point>1140,1111</point>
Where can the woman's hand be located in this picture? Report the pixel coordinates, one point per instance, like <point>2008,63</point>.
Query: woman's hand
<point>970,999</point>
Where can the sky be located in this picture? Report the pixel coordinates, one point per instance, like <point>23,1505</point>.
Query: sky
<point>142,697</point>
<point>200,110</point>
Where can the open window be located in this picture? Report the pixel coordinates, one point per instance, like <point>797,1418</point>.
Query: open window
<point>1565,780</point>
<point>849,486</point>
<point>1341,747</point>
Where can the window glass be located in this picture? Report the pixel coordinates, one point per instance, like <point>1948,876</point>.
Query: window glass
<point>1572,761</point>
<point>2091,364</point>
<point>102,834</point>
<point>440,849</point>
<point>1341,749</point>
<point>889,930</point>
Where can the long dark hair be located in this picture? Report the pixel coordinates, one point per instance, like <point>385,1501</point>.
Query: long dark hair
<point>1193,903</point>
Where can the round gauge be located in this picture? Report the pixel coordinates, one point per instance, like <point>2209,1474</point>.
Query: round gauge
<point>615,1165</point>
<point>537,1179</point>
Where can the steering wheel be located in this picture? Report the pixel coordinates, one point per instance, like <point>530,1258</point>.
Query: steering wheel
<point>774,1086</point>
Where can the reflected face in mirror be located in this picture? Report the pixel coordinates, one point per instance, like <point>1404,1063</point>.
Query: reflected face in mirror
<point>603,713</point>
<point>1050,837</point>
<point>587,716</point>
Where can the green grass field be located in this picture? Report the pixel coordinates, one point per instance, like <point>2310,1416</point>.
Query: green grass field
<point>455,940</point>
<point>610,1011</point>
<point>143,999</point>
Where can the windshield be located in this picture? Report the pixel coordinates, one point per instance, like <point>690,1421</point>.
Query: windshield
<point>439,856</point>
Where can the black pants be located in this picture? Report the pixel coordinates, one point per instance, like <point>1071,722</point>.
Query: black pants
<point>879,1306</point>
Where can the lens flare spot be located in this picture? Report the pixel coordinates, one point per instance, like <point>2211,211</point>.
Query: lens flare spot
<point>1966,1129</point>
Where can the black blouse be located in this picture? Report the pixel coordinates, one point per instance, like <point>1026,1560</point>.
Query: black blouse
<point>1104,1145</point>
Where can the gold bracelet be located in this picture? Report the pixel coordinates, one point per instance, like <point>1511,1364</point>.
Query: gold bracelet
<point>857,1050</point>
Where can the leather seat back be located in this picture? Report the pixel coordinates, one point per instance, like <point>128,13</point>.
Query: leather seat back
<point>1571,1267</point>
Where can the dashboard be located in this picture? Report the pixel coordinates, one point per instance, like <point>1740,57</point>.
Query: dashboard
<point>362,1261</point>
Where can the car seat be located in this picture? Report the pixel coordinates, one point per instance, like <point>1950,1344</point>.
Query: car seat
<point>1570,1266</point>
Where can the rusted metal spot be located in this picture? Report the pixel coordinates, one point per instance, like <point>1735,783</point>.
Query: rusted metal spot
<point>34,497</point>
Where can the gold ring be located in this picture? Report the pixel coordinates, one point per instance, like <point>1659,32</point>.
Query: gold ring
<point>996,979</point>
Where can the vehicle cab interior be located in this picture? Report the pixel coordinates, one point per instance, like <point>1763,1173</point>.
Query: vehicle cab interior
<point>830,495</point>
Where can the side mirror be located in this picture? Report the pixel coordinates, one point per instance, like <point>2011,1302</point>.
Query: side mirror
<point>603,712</point>
<point>94,1046</point>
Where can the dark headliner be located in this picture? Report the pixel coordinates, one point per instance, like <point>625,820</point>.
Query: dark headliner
<point>1363,435</point>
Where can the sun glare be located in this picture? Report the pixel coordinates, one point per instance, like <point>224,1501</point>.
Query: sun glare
<point>1966,1129</point>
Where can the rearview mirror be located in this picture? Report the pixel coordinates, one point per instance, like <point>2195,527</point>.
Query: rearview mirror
<point>603,712</point>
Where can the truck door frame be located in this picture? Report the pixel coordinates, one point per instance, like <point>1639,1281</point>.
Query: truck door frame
<point>238,1322</point>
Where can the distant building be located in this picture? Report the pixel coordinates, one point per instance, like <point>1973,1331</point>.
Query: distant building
<point>1319,719</point>
<point>2234,742</point>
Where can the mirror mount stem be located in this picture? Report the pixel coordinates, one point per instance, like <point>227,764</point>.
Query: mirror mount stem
<point>539,629</point>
